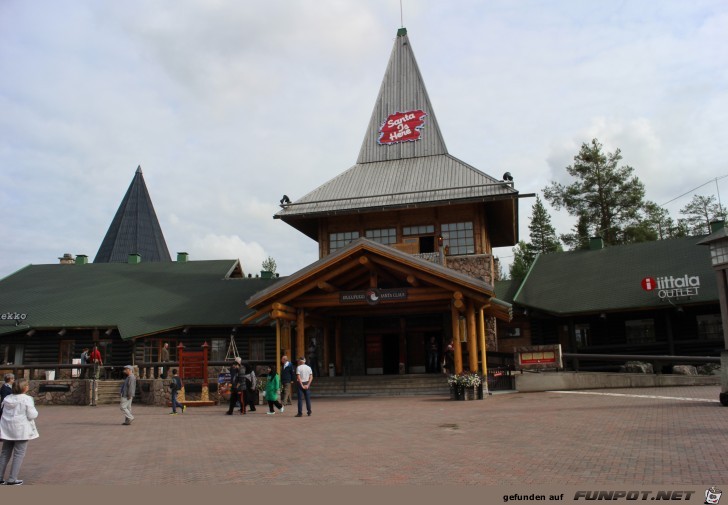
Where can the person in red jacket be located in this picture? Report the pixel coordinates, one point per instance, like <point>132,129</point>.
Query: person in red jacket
<point>95,358</point>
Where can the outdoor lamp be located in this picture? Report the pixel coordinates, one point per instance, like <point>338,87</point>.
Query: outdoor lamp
<point>718,243</point>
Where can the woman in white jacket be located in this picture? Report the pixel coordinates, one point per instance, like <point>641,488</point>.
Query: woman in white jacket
<point>17,426</point>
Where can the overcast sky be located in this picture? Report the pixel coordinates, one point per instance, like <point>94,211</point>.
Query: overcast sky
<point>227,105</point>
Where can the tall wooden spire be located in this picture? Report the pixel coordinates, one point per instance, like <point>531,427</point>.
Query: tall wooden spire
<point>134,229</point>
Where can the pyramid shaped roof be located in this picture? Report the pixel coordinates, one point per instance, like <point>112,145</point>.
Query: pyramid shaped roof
<point>403,161</point>
<point>135,228</point>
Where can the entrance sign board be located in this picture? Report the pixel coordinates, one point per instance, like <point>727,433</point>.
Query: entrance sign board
<point>373,296</point>
<point>401,127</point>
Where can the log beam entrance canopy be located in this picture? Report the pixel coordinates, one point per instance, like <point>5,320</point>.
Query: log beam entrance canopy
<point>367,278</point>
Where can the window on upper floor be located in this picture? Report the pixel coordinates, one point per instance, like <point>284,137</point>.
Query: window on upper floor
<point>423,235</point>
<point>386,236</point>
<point>459,238</point>
<point>340,239</point>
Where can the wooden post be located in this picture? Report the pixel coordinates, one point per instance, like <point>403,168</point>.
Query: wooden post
<point>483,343</point>
<point>278,347</point>
<point>337,345</point>
<point>458,354</point>
<point>325,371</point>
<point>472,339</point>
<point>300,334</point>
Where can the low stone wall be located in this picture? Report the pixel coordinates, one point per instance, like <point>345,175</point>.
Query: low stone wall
<point>156,392</point>
<point>78,393</point>
<point>550,381</point>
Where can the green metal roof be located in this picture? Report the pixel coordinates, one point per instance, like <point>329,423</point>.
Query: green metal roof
<point>610,279</point>
<point>505,290</point>
<point>139,299</point>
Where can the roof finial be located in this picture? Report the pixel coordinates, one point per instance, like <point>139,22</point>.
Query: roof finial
<point>401,17</point>
<point>139,169</point>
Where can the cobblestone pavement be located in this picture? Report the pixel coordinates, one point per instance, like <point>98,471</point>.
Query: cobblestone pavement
<point>648,436</point>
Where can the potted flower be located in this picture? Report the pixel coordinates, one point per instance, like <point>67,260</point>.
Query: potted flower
<point>465,386</point>
<point>260,388</point>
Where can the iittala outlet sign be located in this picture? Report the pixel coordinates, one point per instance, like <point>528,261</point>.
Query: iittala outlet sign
<point>402,127</point>
<point>671,286</point>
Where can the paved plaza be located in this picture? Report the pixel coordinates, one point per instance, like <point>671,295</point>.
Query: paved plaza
<point>655,436</point>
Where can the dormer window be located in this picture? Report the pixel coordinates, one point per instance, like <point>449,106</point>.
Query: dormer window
<point>340,239</point>
<point>386,236</point>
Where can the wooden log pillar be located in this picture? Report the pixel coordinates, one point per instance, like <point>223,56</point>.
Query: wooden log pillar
<point>300,334</point>
<point>483,344</point>
<point>458,353</point>
<point>286,341</point>
<point>278,347</point>
<point>472,339</point>
<point>337,346</point>
<point>325,371</point>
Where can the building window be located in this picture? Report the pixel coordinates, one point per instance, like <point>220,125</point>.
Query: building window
<point>257,349</point>
<point>340,239</point>
<point>422,235</point>
<point>459,238</point>
<point>218,349</point>
<point>11,354</point>
<point>640,331</point>
<point>710,327</point>
<point>386,236</point>
<point>153,349</point>
<point>581,332</point>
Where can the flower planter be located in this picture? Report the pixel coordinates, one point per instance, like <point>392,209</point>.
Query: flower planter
<point>457,393</point>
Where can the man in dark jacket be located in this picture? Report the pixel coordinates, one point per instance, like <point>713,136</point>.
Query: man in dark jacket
<point>6,389</point>
<point>235,388</point>
<point>174,387</point>
<point>288,376</point>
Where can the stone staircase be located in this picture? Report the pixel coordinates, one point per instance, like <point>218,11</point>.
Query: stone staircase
<point>381,385</point>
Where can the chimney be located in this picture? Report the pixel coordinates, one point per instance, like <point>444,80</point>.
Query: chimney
<point>714,226</point>
<point>135,258</point>
<point>81,259</point>
<point>67,259</point>
<point>182,257</point>
<point>596,243</point>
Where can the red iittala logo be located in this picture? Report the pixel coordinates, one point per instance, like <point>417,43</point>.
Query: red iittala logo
<point>402,127</point>
<point>649,283</point>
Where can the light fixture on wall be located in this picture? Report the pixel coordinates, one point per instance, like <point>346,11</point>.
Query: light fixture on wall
<point>109,332</point>
<point>30,333</point>
<point>186,330</point>
<point>603,315</point>
<point>62,332</point>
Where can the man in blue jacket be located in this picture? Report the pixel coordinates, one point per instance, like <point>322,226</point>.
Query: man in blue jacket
<point>288,375</point>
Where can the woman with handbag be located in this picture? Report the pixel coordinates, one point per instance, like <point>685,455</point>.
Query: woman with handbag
<point>17,427</point>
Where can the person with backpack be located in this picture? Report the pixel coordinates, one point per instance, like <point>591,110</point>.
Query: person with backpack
<point>272,386</point>
<point>250,381</point>
<point>236,381</point>
<point>175,386</point>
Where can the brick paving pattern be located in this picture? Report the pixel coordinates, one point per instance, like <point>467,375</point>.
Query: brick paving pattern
<point>535,438</point>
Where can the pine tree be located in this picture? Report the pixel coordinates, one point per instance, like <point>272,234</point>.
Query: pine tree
<point>699,212</point>
<point>606,197</point>
<point>543,234</point>
<point>522,260</point>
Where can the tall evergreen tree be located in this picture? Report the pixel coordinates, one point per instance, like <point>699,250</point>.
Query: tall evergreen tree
<point>522,260</point>
<point>543,234</point>
<point>606,198</point>
<point>699,212</point>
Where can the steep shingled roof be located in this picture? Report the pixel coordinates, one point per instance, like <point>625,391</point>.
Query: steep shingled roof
<point>610,279</point>
<point>139,299</point>
<point>134,229</point>
<point>402,174</point>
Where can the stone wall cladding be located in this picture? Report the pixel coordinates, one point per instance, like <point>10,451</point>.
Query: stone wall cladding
<point>79,394</point>
<point>479,266</point>
<point>159,394</point>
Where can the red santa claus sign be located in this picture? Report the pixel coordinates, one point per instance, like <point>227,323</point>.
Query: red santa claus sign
<point>401,127</point>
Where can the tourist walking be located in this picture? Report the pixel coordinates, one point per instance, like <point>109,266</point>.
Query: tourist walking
<point>272,385</point>
<point>235,387</point>
<point>6,389</point>
<point>128,388</point>
<point>250,384</point>
<point>304,378</point>
<point>288,375</point>
<point>175,385</point>
<point>17,427</point>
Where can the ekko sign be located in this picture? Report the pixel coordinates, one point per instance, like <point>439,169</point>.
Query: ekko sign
<point>672,287</point>
<point>402,127</point>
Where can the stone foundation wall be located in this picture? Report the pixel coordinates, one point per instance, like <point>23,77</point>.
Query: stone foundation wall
<point>156,392</point>
<point>78,394</point>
